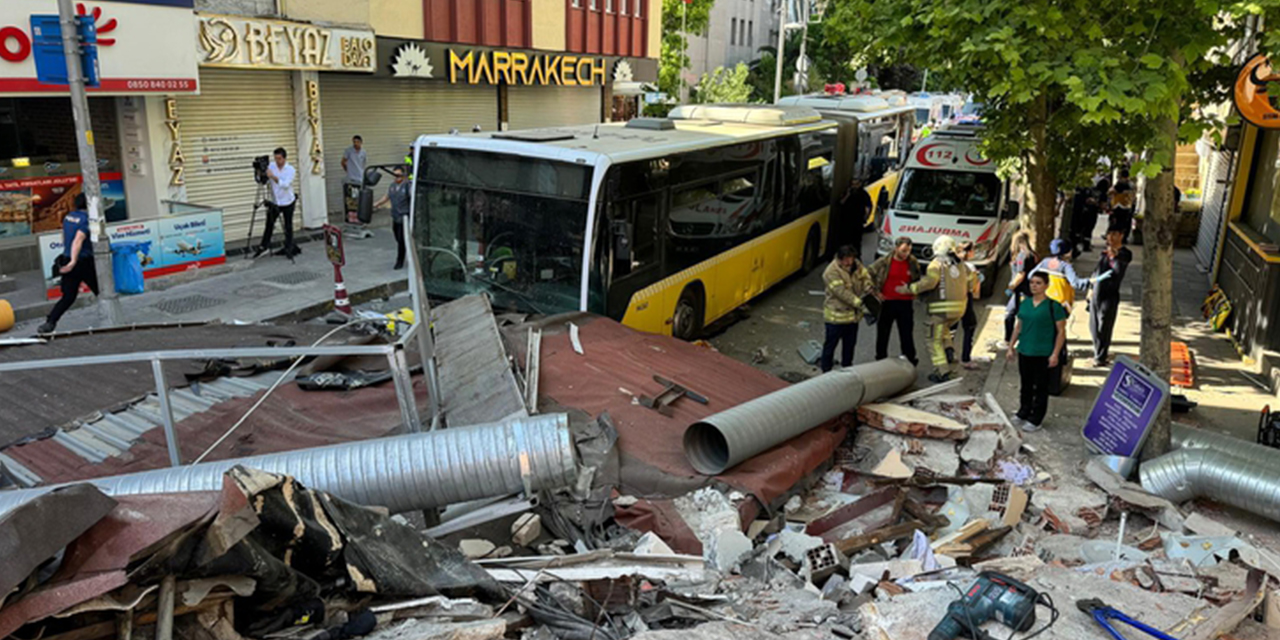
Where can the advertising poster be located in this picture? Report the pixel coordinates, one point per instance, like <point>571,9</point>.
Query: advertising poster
<point>36,205</point>
<point>1125,408</point>
<point>190,241</point>
<point>168,245</point>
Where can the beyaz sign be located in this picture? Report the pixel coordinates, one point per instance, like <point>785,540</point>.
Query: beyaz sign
<point>128,35</point>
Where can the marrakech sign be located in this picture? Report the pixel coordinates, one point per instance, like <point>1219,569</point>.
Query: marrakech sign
<point>239,42</point>
<point>527,68</point>
<point>1256,88</point>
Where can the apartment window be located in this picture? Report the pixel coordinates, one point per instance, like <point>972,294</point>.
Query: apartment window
<point>639,6</point>
<point>608,6</point>
<point>733,31</point>
<point>576,4</point>
<point>742,32</point>
<point>624,7</point>
<point>751,32</point>
<point>594,5</point>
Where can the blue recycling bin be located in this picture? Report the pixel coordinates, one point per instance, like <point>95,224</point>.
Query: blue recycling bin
<point>126,266</point>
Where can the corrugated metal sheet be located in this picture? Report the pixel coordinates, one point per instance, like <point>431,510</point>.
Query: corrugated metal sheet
<point>57,397</point>
<point>390,114</point>
<point>536,107</point>
<point>476,383</point>
<point>134,525</point>
<point>653,460</point>
<point>237,116</point>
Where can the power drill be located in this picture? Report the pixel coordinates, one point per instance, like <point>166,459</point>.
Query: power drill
<point>992,595</point>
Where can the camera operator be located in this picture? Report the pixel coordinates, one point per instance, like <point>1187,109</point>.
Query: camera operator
<point>281,174</point>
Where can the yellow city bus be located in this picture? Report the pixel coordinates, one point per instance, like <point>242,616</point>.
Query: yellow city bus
<point>665,224</point>
<point>873,141</point>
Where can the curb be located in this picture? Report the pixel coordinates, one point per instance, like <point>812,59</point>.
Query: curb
<point>316,310</point>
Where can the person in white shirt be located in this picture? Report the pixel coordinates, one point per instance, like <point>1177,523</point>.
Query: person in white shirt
<point>282,175</point>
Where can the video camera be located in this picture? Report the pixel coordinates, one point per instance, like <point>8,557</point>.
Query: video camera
<point>260,165</point>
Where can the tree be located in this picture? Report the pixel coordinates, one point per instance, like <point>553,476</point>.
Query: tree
<point>723,86</point>
<point>678,16</point>
<point>1065,82</point>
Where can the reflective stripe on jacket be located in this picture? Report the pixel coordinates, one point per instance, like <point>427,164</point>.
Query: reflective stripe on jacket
<point>844,291</point>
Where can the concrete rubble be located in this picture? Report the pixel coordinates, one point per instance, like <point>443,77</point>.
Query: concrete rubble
<point>874,544</point>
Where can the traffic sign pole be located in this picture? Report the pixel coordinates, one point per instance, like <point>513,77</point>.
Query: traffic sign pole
<point>108,299</point>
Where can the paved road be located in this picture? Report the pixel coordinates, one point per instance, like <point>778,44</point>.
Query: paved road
<point>784,318</point>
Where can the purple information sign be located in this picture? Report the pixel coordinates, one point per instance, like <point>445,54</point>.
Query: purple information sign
<point>1125,409</point>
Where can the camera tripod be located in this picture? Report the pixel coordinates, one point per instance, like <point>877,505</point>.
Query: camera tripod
<point>261,200</point>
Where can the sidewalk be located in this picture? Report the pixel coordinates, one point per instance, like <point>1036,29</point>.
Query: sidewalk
<point>270,288</point>
<point>1228,402</point>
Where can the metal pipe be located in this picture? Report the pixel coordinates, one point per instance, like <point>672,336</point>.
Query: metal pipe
<point>1217,474</point>
<point>721,441</point>
<point>401,473</point>
<point>1184,437</point>
<point>200,354</point>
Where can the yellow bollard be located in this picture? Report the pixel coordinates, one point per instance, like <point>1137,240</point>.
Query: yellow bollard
<point>6,316</point>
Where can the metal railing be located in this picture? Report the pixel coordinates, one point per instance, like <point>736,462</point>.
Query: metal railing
<point>394,353</point>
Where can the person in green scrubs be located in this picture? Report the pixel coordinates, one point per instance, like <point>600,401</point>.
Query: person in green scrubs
<point>1039,334</point>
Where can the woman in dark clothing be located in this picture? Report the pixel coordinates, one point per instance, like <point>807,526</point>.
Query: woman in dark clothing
<point>1104,301</point>
<point>969,322</point>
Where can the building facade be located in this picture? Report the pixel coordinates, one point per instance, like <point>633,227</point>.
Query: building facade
<point>194,90</point>
<point>737,31</point>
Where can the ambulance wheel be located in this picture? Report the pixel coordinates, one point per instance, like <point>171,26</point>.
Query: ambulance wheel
<point>686,323</point>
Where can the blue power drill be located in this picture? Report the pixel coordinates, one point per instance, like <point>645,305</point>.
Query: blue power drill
<point>992,596</point>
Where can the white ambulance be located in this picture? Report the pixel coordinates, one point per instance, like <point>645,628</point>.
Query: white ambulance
<point>948,188</point>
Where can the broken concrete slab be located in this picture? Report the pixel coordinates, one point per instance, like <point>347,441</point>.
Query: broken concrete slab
<point>979,451</point>
<point>718,630</point>
<point>795,546</point>
<point>476,548</point>
<point>889,570</point>
<point>727,548</point>
<point>1062,547</point>
<point>1074,510</point>
<point>912,616</point>
<point>526,529</point>
<point>938,457</point>
<point>1017,567</point>
<point>1203,526</point>
<point>421,629</point>
<point>1161,509</point>
<point>913,422</point>
<point>651,544</point>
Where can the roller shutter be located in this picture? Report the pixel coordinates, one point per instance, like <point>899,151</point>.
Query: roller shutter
<point>237,116</point>
<point>536,107</point>
<point>390,114</point>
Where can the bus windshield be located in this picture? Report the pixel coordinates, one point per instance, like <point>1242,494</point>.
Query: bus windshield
<point>509,225</point>
<point>958,193</point>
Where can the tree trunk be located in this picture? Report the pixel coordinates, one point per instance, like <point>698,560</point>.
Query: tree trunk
<point>1157,278</point>
<point>1043,187</point>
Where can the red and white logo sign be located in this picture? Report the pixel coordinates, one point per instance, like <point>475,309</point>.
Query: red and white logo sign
<point>129,35</point>
<point>948,155</point>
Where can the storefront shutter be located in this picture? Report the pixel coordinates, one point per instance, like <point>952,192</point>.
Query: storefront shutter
<point>1216,195</point>
<point>536,107</point>
<point>389,115</point>
<point>237,116</point>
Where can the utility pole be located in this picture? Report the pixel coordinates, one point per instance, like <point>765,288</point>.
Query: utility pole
<point>684,35</point>
<point>924,83</point>
<point>779,56</point>
<point>108,300</point>
<point>802,65</point>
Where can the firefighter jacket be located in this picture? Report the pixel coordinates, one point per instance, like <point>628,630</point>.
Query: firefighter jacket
<point>843,304</point>
<point>949,279</point>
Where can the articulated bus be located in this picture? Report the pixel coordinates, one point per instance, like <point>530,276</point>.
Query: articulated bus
<point>665,224</point>
<point>873,140</point>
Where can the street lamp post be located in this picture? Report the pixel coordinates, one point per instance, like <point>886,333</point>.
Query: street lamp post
<point>779,56</point>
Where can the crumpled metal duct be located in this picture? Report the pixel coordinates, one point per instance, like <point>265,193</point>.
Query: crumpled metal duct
<point>1221,468</point>
<point>727,438</point>
<point>401,473</point>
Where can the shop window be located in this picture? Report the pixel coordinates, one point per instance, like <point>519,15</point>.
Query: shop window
<point>1262,211</point>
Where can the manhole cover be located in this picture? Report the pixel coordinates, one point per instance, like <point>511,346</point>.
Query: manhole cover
<point>293,277</point>
<point>187,304</point>
<point>259,290</point>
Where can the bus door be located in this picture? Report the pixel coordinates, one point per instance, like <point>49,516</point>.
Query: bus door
<point>632,258</point>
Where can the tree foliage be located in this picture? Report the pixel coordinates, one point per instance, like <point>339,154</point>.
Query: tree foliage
<point>674,57</point>
<point>724,85</point>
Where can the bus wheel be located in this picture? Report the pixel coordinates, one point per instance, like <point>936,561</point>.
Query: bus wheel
<point>686,324</point>
<point>810,252</point>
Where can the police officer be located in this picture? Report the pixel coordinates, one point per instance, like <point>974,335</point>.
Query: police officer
<point>949,279</point>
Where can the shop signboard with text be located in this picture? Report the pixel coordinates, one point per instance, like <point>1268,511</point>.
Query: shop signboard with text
<point>130,33</point>
<point>252,43</point>
<point>514,67</point>
<point>168,245</point>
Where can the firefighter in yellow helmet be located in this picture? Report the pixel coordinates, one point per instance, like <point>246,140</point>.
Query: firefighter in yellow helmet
<point>950,280</point>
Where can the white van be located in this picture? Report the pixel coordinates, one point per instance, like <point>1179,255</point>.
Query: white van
<point>948,188</point>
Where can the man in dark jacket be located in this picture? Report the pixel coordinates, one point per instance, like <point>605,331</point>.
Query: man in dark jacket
<point>849,216</point>
<point>1104,302</point>
<point>887,275</point>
